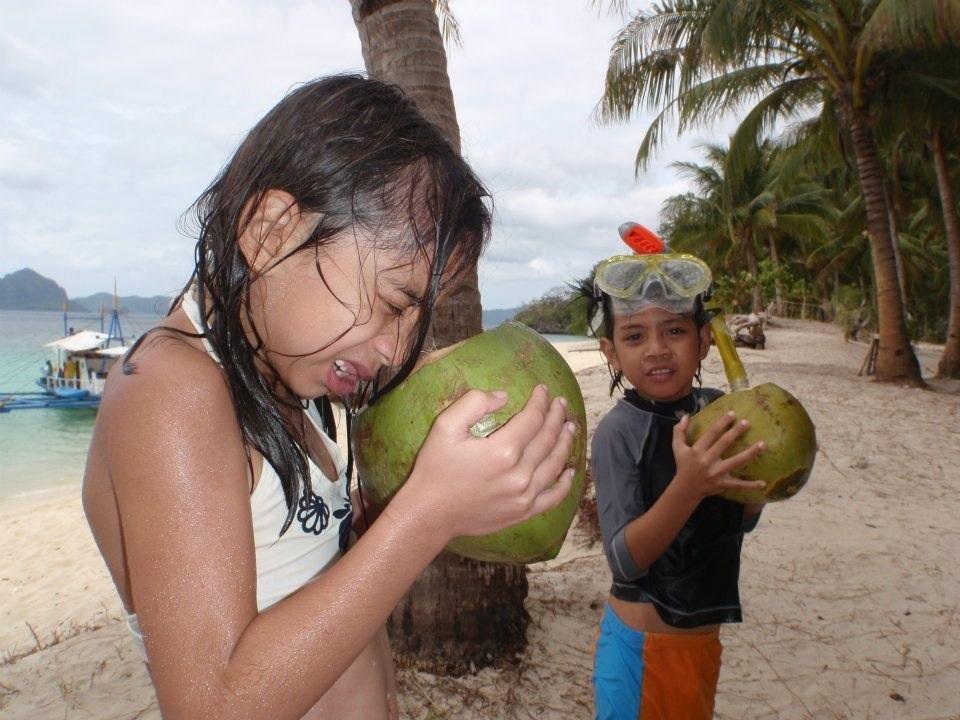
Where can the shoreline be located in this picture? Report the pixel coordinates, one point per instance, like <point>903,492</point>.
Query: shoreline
<point>40,496</point>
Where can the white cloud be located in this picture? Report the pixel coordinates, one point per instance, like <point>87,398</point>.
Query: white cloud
<point>118,114</point>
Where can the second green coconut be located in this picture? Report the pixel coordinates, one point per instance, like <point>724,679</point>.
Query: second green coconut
<point>777,418</point>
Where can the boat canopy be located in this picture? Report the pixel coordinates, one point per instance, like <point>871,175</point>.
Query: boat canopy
<point>113,352</point>
<point>80,341</point>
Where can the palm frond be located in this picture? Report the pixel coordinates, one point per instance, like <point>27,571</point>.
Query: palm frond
<point>911,24</point>
<point>784,101</point>
<point>726,92</point>
<point>614,7</point>
<point>805,226</point>
<point>652,79</point>
<point>449,27</point>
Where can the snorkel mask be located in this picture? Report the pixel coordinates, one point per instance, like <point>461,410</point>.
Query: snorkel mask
<point>658,277</point>
<point>654,277</point>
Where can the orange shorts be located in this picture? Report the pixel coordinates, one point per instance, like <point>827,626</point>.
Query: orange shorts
<point>654,676</point>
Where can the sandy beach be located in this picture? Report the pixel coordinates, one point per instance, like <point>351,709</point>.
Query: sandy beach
<point>851,590</point>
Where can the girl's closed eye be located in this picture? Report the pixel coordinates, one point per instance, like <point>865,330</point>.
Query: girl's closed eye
<point>400,309</point>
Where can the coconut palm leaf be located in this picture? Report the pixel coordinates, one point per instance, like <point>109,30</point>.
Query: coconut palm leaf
<point>449,27</point>
<point>908,24</point>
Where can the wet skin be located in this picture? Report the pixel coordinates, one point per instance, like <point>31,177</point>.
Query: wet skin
<point>166,491</point>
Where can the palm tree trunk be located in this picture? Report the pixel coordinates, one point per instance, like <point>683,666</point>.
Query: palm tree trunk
<point>777,285</point>
<point>949,365</point>
<point>897,255</point>
<point>896,361</point>
<point>895,210</point>
<point>750,252</point>
<point>460,615</point>
<point>400,41</point>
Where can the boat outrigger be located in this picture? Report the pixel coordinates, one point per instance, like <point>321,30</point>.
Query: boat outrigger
<point>75,378</point>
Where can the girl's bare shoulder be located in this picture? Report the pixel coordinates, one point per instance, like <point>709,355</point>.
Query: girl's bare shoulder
<point>170,384</point>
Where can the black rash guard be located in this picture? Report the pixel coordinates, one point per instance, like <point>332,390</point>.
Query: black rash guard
<point>694,582</point>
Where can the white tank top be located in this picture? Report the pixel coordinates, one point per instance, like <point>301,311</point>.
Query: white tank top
<point>318,534</point>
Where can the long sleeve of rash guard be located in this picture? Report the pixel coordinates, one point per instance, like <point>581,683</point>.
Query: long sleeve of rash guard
<point>616,450</point>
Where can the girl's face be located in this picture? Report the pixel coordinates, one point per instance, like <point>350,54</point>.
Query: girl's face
<point>327,334</point>
<point>657,351</point>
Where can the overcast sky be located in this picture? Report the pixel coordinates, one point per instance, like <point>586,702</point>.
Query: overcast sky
<point>115,115</point>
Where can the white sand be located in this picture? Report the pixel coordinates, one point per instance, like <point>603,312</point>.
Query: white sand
<point>850,590</point>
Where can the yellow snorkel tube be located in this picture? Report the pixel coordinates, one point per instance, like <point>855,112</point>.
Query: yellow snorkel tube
<point>723,339</point>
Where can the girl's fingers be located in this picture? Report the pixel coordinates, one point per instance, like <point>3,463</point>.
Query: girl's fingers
<point>545,472</point>
<point>680,435</point>
<point>731,483</point>
<point>471,407</point>
<point>720,445</point>
<point>545,441</point>
<point>524,426</point>
<point>553,494</point>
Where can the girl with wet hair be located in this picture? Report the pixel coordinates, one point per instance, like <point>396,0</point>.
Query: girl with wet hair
<point>215,493</point>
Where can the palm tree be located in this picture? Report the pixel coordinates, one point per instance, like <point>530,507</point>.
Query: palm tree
<point>949,365</point>
<point>923,100</point>
<point>744,207</point>
<point>460,614</point>
<point>694,59</point>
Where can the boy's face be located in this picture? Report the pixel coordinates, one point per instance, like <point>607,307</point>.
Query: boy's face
<point>657,351</point>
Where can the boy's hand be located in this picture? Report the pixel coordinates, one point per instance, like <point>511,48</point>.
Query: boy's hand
<point>700,468</point>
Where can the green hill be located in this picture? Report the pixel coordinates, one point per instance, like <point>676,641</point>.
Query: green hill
<point>495,316</point>
<point>135,304</point>
<point>28,290</point>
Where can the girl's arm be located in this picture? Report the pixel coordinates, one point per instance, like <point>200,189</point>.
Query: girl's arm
<point>701,472</point>
<point>181,480</point>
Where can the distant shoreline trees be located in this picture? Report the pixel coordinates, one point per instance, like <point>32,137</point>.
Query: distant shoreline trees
<point>559,311</point>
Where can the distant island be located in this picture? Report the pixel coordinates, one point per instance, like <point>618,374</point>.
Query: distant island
<point>495,316</point>
<point>27,289</point>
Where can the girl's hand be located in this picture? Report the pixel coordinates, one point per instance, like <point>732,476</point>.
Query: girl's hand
<point>467,485</point>
<point>700,468</point>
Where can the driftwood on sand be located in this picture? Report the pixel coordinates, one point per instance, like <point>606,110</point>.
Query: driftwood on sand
<point>749,330</point>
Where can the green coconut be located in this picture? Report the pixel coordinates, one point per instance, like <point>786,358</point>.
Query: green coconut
<point>777,418</point>
<point>512,357</point>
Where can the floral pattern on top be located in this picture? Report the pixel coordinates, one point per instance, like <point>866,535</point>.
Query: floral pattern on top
<point>314,516</point>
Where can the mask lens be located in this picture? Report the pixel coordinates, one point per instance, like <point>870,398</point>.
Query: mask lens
<point>685,276</point>
<point>621,277</point>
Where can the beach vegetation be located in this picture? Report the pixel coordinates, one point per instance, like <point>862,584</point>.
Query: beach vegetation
<point>692,61</point>
<point>742,208</point>
<point>560,310</point>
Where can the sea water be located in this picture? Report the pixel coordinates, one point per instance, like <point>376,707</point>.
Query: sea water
<point>44,449</point>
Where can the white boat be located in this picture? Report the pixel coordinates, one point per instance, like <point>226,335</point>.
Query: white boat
<point>75,377</point>
<point>82,363</point>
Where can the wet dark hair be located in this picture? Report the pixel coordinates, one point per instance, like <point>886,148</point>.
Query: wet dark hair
<point>358,154</point>
<point>598,300</point>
